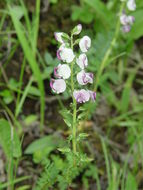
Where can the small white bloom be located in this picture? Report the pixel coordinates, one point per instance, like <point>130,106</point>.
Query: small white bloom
<point>124,19</point>
<point>131,4</point>
<point>85,44</point>
<point>84,78</point>
<point>58,86</point>
<point>58,36</point>
<point>67,55</point>
<point>82,61</point>
<point>62,71</point>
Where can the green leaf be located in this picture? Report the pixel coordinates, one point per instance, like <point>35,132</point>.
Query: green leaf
<point>137,29</point>
<point>9,140</point>
<point>30,119</point>
<point>131,183</point>
<point>7,96</point>
<point>49,142</point>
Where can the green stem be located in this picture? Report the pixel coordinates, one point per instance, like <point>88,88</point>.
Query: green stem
<point>74,104</point>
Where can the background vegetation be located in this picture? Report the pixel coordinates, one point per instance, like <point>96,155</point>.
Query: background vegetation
<point>31,127</point>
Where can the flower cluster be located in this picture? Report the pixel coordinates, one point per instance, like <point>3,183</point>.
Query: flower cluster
<point>126,20</point>
<point>66,56</point>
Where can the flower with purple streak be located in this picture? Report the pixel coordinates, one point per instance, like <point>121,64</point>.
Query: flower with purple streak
<point>85,44</point>
<point>81,96</point>
<point>126,28</point>
<point>92,95</point>
<point>84,78</point>
<point>58,86</point>
<point>62,71</point>
<point>82,61</point>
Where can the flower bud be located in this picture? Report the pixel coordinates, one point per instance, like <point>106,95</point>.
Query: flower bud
<point>58,36</point>
<point>84,78</point>
<point>77,30</point>
<point>131,4</point>
<point>58,86</point>
<point>82,61</point>
<point>81,96</point>
<point>62,71</point>
<point>85,44</point>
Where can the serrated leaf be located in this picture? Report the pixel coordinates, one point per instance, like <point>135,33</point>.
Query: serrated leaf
<point>64,150</point>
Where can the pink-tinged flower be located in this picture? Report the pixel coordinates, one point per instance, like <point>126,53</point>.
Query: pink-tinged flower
<point>81,96</point>
<point>62,71</point>
<point>58,86</point>
<point>126,28</point>
<point>82,61</point>
<point>131,19</point>
<point>58,37</point>
<point>131,4</point>
<point>65,54</point>
<point>84,78</point>
<point>85,44</point>
<point>77,30</point>
<point>124,19</point>
<point>92,95</point>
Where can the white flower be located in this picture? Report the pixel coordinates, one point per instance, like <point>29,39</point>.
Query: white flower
<point>58,36</point>
<point>131,4</point>
<point>124,19</point>
<point>62,71</point>
<point>77,30</point>
<point>58,85</point>
<point>81,96</point>
<point>82,61</point>
<point>65,54</point>
<point>84,78</point>
<point>85,44</point>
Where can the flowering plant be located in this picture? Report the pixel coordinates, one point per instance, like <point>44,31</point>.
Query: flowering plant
<point>128,20</point>
<point>71,75</point>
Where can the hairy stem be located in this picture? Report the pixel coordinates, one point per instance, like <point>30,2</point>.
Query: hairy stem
<point>74,105</point>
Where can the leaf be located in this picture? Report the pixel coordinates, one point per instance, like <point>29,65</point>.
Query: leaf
<point>7,96</point>
<point>12,148</point>
<point>126,93</point>
<point>67,116</point>
<point>102,13</point>
<point>131,183</point>
<point>48,142</point>
<point>82,13</point>
<point>30,119</point>
<point>137,29</point>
